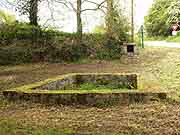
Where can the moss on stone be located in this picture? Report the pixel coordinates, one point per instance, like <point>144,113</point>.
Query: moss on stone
<point>35,92</point>
<point>58,78</point>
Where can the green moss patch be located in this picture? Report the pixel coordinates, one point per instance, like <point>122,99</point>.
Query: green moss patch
<point>89,81</point>
<point>91,86</point>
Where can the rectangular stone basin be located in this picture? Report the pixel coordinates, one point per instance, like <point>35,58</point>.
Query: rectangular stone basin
<point>118,89</point>
<point>107,80</point>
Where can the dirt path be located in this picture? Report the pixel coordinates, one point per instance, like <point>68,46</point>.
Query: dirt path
<point>154,119</point>
<point>162,44</point>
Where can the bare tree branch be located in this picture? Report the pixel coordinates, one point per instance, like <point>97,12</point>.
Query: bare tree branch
<point>63,2</point>
<point>74,9</point>
<point>51,10</point>
<point>99,6</point>
<point>70,5</point>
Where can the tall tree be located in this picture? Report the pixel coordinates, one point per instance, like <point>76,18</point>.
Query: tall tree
<point>79,10</point>
<point>33,12</point>
<point>79,19</point>
<point>117,24</point>
<point>76,7</point>
<point>29,8</point>
<point>109,17</point>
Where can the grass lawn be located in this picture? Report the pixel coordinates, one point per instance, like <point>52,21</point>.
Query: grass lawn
<point>159,69</point>
<point>168,39</point>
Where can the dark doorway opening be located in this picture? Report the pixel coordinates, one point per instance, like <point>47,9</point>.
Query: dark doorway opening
<point>130,48</point>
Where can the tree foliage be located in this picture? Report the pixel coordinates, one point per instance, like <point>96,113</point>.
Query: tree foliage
<point>29,8</point>
<point>174,12</point>
<point>121,25</point>
<point>117,24</point>
<point>99,29</point>
<point>156,23</point>
<point>6,18</point>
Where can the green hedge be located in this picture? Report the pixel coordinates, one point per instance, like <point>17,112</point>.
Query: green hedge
<point>22,43</point>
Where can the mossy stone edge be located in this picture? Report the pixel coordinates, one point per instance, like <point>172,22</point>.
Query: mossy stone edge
<point>102,97</point>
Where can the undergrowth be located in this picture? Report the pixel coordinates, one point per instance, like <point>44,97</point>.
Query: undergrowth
<point>23,43</point>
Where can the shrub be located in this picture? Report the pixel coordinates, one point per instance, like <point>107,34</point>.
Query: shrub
<point>22,43</point>
<point>18,31</point>
<point>68,52</point>
<point>110,49</point>
<point>178,33</point>
<point>15,54</point>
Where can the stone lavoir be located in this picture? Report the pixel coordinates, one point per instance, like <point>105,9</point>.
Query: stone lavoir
<point>112,89</point>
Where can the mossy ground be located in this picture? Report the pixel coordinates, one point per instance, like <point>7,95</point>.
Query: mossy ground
<point>159,69</point>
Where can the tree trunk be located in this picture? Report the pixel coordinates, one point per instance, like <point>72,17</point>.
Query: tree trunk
<point>33,13</point>
<point>109,19</point>
<point>79,20</point>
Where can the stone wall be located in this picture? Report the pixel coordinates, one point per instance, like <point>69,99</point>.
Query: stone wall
<point>91,99</point>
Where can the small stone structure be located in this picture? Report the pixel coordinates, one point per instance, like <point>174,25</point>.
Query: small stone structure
<point>56,90</point>
<point>129,49</point>
<point>128,81</point>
